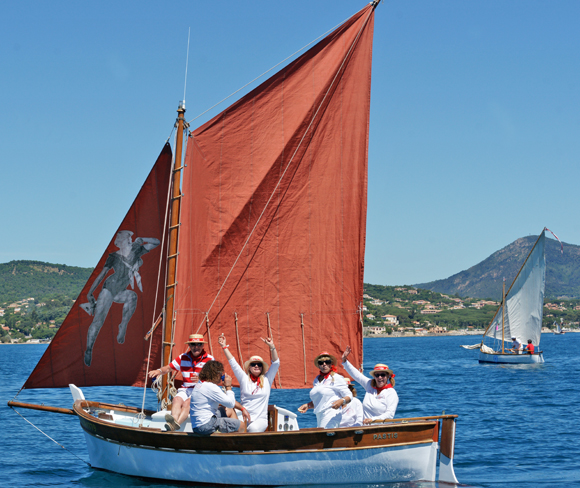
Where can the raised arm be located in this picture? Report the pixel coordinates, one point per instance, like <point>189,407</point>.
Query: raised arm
<point>222,342</point>
<point>360,378</point>
<point>270,343</point>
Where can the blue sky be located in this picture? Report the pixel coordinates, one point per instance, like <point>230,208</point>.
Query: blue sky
<point>474,121</point>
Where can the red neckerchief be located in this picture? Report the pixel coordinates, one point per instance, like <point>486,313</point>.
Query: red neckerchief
<point>255,379</point>
<point>387,386</point>
<point>324,376</point>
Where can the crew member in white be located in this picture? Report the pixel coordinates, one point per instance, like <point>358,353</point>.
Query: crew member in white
<point>352,414</point>
<point>329,393</point>
<point>381,399</point>
<point>255,381</point>
<point>207,396</point>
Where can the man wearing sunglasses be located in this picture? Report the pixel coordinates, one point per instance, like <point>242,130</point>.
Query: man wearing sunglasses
<point>190,364</point>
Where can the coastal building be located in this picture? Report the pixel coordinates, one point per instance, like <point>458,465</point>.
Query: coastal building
<point>374,330</point>
<point>390,319</point>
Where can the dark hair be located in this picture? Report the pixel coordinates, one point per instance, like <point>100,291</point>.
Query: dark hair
<point>529,341</point>
<point>212,371</point>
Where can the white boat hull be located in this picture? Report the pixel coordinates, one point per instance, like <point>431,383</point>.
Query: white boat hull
<point>511,358</point>
<point>364,465</point>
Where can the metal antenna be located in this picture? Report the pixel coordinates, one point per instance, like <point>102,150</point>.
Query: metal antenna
<point>186,63</point>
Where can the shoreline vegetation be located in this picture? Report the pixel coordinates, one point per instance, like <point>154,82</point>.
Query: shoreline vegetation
<point>49,291</point>
<point>373,336</point>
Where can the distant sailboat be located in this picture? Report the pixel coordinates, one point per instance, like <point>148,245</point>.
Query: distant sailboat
<point>559,329</point>
<point>519,314</point>
<point>270,209</point>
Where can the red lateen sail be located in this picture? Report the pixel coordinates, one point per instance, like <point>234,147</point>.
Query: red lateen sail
<point>274,212</point>
<point>101,341</point>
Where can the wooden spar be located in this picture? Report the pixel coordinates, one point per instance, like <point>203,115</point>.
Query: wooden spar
<point>46,408</point>
<point>172,248</point>
<point>509,289</point>
<point>503,317</point>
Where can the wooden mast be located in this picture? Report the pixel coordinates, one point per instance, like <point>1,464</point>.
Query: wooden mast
<point>172,247</point>
<point>503,317</point>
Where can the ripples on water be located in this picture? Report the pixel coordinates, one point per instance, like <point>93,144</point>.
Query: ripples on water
<point>516,426</point>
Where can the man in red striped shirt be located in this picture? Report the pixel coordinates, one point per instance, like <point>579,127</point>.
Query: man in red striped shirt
<point>190,364</point>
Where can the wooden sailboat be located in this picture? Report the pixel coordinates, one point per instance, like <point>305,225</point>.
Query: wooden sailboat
<point>559,330</point>
<point>260,232</point>
<point>519,314</point>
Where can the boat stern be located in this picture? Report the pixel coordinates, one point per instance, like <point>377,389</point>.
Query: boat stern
<point>446,449</point>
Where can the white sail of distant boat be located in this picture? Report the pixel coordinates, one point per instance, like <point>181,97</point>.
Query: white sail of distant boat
<point>519,315</point>
<point>559,329</point>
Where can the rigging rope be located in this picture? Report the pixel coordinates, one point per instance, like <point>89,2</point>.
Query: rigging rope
<point>306,132</point>
<point>271,337</point>
<point>303,347</point>
<point>44,433</point>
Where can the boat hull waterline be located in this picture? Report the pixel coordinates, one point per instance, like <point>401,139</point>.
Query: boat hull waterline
<point>511,358</point>
<point>379,453</point>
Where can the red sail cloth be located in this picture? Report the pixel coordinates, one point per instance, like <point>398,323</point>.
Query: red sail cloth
<point>113,363</point>
<point>305,259</point>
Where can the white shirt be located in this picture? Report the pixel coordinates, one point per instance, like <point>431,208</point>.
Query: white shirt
<point>376,406</point>
<point>352,414</point>
<point>324,393</point>
<point>205,399</point>
<point>517,345</point>
<point>253,398</point>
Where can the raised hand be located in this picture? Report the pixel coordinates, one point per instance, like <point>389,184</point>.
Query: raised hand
<point>269,342</point>
<point>345,354</point>
<point>222,340</point>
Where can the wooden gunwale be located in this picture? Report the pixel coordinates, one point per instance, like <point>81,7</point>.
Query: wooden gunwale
<point>396,434</point>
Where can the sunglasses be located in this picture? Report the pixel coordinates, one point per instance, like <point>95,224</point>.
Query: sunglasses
<point>381,375</point>
<point>324,361</point>
<point>255,364</point>
<point>223,377</point>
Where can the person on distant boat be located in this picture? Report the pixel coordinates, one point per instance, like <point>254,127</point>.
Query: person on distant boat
<point>530,347</point>
<point>125,264</point>
<point>381,399</point>
<point>255,382</point>
<point>206,414</point>
<point>352,414</point>
<point>517,346</point>
<point>190,364</point>
<point>329,393</point>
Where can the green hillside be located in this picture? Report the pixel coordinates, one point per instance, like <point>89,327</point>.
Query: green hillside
<point>484,280</point>
<point>35,279</point>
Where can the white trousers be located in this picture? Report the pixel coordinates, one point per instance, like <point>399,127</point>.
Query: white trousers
<point>259,425</point>
<point>329,419</point>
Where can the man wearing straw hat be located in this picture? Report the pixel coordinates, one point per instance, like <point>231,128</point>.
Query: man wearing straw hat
<point>190,364</point>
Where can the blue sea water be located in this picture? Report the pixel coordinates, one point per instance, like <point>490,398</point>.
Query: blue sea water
<point>517,425</point>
